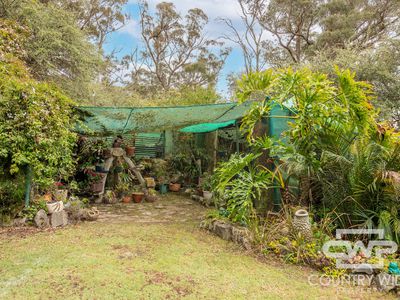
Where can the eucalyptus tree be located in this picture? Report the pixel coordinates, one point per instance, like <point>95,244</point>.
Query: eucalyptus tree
<point>176,50</point>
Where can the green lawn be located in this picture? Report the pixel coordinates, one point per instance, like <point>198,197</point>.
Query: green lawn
<point>131,260</point>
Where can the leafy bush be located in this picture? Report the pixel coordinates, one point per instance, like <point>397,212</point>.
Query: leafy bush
<point>36,123</point>
<point>238,183</point>
<point>36,126</point>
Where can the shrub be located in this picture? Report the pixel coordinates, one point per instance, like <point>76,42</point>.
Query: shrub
<point>36,127</point>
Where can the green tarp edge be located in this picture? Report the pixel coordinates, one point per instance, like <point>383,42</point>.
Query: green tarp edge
<point>207,127</point>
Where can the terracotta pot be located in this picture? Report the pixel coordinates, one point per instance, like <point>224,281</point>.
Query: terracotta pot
<point>137,197</point>
<point>151,198</point>
<point>127,199</point>
<point>130,151</point>
<point>174,187</point>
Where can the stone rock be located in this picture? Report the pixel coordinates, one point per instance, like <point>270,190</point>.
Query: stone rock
<point>242,236</point>
<point>207,195</point>
<point>41,219</point>
<point>223,230</point>
<point>385,282</point>
<point>195,198</point>
<point>59,218</point>
<point>19,222</point>
<point>73,208</point>
<point>201,200</point>
<point>363,269</point>
<point>89,214</point>
<point>229,232</point>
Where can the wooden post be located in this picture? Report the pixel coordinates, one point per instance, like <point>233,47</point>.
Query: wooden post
<point>237,137</point>
<point>211,144</point>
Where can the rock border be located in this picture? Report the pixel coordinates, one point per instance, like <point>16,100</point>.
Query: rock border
<point>229,232</point>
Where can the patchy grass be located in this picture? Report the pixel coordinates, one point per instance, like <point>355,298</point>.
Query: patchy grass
<point>131,260</point>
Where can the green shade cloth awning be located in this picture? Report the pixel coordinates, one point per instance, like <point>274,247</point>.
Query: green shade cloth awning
<point>207,127</point>
<point>108,121</point>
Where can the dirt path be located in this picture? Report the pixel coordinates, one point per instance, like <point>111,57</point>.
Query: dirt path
<point>170,208</point>
<point>147,251</point>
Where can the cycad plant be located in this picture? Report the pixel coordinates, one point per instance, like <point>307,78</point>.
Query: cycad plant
<point>240,182</point>
<point>246,188</point>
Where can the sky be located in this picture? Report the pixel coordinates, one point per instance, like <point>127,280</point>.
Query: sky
<point>128,37</point>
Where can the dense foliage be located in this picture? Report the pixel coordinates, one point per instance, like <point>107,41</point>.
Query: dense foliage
<point>238,183</point>
<point>55,49</point>
<point>36,123</point>
<point>347,164</point>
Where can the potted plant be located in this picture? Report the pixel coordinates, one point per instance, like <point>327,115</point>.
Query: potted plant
<point>175,185</point>
<point>206,187</point>
<point>163,186</point>
<point>94,180</point>
<point>122,190</point>
<point>150,182</point>
<point>97,182</point>
<point>127,199</point>
<point>60,192</point>
<point>129,146</point>
<point>160,170</point>
<point>130,151</point>
<point>151,196</point>
<point>137,194</point>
